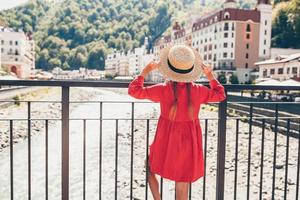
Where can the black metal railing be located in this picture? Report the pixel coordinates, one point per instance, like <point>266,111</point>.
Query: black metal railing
<point>254,120</point>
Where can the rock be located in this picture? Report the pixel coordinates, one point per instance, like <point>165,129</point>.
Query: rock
<point>277,166</point>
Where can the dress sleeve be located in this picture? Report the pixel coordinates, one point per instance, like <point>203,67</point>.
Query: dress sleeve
<point>137,90</point>
<point>215,93</point>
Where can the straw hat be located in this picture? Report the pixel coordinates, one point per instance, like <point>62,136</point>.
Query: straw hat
<point>180,63</point>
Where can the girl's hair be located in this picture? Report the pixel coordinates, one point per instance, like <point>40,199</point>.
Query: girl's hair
<point>173,110</point>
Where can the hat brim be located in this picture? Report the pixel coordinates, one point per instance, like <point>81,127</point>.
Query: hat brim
<point>178,77</point>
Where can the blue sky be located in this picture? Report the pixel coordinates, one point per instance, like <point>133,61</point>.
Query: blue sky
<point>5,4</point>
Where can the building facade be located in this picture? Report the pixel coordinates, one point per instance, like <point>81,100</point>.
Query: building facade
<point>17,52</point>
<point>231,40</point>
<point>280,68</point>
<point>128,64</point>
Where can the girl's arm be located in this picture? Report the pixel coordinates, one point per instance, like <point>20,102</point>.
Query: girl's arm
<point>215,93</point>
<point>137,89</point>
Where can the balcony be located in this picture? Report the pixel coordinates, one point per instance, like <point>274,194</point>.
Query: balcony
<point>251,147</point>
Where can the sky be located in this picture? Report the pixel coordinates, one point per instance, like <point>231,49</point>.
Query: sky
<point>6,4</point>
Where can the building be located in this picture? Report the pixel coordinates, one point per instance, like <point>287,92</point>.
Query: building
<point>280,68</point>
<point>17,52</point>
<point>128,64</point>
<point>229,39</point>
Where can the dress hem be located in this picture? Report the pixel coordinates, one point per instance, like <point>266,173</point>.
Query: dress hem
<point>174,179</point>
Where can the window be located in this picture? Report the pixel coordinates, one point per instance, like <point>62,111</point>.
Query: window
<point>226,27</point>
<point>225,45</point>
<point>231,55</point>
<point>264,52</point>
<point>246,65</point>
<point>205,57</point>
<point>16,59</point>
<point>224,55</point>
<point>205,48</point>
<point>226,15</point>
<point>2,42</point>
<point>233,26</point>
<point>272,71</point>
<point>225,35</point>
<point>247,55</point>
<point>288,70</point>
<point>10,42</point>
<point>247,46</point>
<point>265,32</point>
<point>265,73</point>
<point>209,56</point>
<point>16,43</point>
<point>266,22</point>
<point>265,42</point>
<point>231,44</point>
<point>248,36</point>
<point>215,46</point>
<point>248,29</point>
<point>280,70</point>
<point>294,70</point>
<point>2,50</point>
<point>16,52</point>
<point>232,34</point>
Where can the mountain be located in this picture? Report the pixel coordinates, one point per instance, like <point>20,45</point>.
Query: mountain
<point>76,33</point>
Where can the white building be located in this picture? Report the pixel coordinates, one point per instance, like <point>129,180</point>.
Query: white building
<point>17,52</point>
<point>128,64</point>
<point>229,39</point>
<point>280,68</point>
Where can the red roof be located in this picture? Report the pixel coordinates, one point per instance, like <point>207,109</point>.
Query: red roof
<point>234,14</point>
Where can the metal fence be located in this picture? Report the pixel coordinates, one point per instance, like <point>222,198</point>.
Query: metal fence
<point>278,120</point>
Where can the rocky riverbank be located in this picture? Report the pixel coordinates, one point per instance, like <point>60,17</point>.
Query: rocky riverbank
<point>39,111</point>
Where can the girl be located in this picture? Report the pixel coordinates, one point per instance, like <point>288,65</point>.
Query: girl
<point>176,152</point>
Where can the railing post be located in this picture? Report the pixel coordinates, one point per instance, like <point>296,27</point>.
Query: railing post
<point>221,149</point>
<point>65,143</point>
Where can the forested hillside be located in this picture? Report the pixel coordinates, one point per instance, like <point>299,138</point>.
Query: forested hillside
<point>75,33</point>
<point>286,24</point>
<point>80,33</point>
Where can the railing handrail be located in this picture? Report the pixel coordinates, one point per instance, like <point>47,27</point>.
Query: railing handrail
<point>124,84</point>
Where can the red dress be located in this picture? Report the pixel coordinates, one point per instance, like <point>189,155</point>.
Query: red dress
<point>176,152</point>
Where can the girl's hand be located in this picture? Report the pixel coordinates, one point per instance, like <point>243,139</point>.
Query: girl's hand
<point>207,70</point>
<point>149,67</point>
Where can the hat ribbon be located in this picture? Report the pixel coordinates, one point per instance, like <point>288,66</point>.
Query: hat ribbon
<point>181,71</point>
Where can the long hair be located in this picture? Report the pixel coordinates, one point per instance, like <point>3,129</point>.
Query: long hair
<point>173,110</point>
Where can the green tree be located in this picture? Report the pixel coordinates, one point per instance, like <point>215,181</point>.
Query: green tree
<point>233,79</point>
<point>96,58</point>
<point>222,78</point>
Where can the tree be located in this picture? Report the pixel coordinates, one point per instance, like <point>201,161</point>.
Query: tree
<point>222,78</point>
<point>286,24</point>
<point>54,62</point>
<point>96,58</point>
<point>233,79</point>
